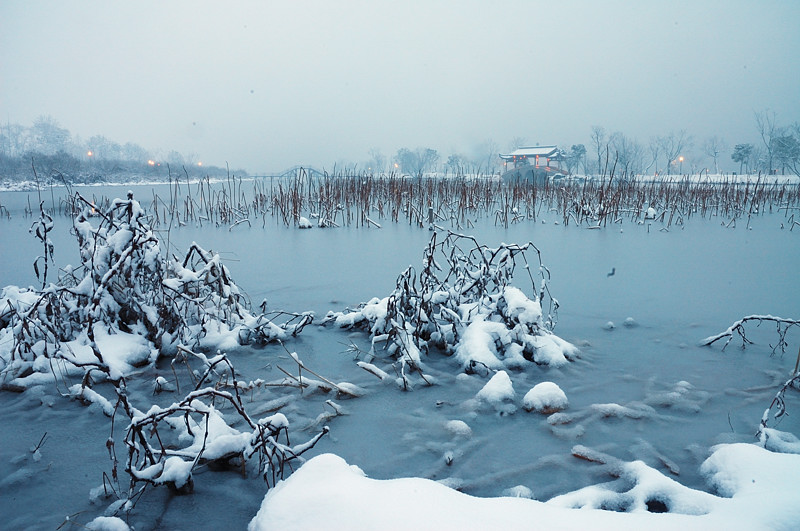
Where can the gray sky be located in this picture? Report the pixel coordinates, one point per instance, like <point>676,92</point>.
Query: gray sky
<point>266,85</point>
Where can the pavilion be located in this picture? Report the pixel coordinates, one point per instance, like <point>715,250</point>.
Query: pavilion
<point>536,156</point>
<point>533,164</point>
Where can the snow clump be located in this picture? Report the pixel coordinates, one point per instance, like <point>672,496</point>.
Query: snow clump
<point>458,428</point>
<point>545,397</point>
<point>498,389</point>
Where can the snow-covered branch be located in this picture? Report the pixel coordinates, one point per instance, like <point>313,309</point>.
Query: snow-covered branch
<point>782,327</point>
<point>126,293</point>
<point>463,303</point>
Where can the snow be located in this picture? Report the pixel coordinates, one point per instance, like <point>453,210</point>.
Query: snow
<point>122,352</point>
<point>176,471</point>
<point>545,397</point>
<point>520,307</point>
<point>780,441</point>
<point>758,490</point>
<point>498,389</point>
<point>458,428</point>
<point>85,393</point>
<point>108,523</point>
<point>624,399</point>
<point>478,344</point>
<point>222,440</point>
<point>519,491</point>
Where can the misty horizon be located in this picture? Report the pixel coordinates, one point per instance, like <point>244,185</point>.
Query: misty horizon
<point>267,87</point>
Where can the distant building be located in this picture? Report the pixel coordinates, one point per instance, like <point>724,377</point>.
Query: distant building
<point>534,163</point>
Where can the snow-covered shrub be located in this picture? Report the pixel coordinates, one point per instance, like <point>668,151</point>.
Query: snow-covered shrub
<point>165,444</point>
<point>125,303</point>
<point>463,303</point>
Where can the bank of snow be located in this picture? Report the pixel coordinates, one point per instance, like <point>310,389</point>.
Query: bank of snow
<point>757,490</point>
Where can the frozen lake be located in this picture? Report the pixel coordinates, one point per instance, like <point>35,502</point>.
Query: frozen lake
<point>674,287</point>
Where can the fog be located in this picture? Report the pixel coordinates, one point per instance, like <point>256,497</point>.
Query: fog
<point>266,85</point>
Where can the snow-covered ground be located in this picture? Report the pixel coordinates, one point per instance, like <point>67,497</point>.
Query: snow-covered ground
<point>758,490</point>
<point>650,417</point>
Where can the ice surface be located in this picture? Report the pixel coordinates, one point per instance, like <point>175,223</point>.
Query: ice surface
<point>695,397</point>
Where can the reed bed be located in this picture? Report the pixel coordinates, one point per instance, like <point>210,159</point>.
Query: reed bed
<point>367,200</point>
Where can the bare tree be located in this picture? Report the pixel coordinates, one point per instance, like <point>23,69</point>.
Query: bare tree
<point>104,148</point>
<point>417,162</point>
<point>488,153</point>
<point>134,152</point>
<point>377,160</point>
<point>712,147</point>
<point>600,145</point>
<point>49,137</point>
<point>767,126</point>
<point>517,142</point>
<point>629,153</point>
<point>14,139</point>
<point>672,145</point>
<point>654,149</point>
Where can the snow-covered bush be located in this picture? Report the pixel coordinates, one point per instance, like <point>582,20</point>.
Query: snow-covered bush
<point>463,303</point>
<point>125,304</point>
<point>164,444</point>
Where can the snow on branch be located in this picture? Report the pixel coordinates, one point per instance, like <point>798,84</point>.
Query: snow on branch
<point>782,327</point>
<point>125,304</point>
<point>462,302</point>
<point>778,403</point>
<point>197,432</point>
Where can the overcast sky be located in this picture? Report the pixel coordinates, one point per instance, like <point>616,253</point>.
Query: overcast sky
<point>266,85</point>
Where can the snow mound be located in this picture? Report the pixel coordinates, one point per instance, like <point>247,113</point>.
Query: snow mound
<point>498,389</point>
<point>458,428</point>
<point>108,523</point>
<point>763,486</point>
<point>520,491</point>
<point>545,397</point>
<point>780,441</point>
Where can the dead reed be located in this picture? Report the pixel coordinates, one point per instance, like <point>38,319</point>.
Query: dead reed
<point>365,199</point>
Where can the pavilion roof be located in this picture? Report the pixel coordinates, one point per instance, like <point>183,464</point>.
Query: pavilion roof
<point>532,151</point>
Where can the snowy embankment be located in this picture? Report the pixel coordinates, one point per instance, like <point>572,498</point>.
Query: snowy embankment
<point>706,178</point>
<point>757,490</point>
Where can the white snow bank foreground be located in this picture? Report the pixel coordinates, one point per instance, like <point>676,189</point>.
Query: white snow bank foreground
<point>327,493</point>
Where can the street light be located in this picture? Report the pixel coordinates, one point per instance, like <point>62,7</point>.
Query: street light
<point>680,159</point>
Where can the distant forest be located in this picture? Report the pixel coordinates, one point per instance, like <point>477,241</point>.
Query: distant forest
<point>50,152</point>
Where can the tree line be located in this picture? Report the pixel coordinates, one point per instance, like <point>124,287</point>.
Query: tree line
<point>777,152</point>
<point>50,150</point>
